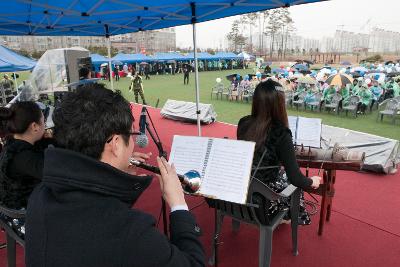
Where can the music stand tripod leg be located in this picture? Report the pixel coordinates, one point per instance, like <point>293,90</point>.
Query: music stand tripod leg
<point>331,191</point>
<point>323,205</point>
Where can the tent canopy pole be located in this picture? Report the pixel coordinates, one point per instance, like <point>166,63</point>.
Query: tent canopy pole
<point>109,56</point>
<point>196,71</point>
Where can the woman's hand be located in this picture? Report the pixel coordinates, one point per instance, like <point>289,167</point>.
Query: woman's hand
<point>316,181</point>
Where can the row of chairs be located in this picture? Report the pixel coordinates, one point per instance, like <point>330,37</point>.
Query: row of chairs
<point>389,107</point>
<point>231,93</point>
<point>318,104</point>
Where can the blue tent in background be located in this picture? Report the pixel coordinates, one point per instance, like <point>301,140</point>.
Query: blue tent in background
<point>245,56</point>
<point>97,60</point>
<point>200,56</point>
<point>162,56</point>
<point>131,58</point>
<point>11,61</point>
<point>226,55</point>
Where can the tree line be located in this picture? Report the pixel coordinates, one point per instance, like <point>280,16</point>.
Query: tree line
<point>275,23</point>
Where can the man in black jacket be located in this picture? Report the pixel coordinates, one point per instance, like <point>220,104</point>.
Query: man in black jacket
<point>81,216</point>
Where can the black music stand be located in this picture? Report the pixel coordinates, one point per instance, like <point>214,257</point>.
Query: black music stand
<point>161,153</point>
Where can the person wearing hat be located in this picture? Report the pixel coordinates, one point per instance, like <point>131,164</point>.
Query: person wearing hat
<point>137,87</point>
<point>344,92</point>
<point>365,98</point>
<point>396,89</point>
<point>357,87</point>
<point>234,87</point>
<point>377,92</point>
<point>310,96</point>
<point>328,94</point>
<point>301,87</point>
<point>7,86</point>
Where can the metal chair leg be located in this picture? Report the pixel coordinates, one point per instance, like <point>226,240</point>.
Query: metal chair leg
<point>294,216</point>
<point>11,252</point>
<point>265,246</point>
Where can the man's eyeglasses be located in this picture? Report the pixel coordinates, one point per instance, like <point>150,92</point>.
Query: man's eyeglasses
<point>130,134</point>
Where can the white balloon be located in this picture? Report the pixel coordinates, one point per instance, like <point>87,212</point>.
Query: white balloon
<point>367,81</point>
<point>389,70</point>
<point>290,73</point>
<point>287,68</point>
<point>381,79</point>
<point>218,80</point>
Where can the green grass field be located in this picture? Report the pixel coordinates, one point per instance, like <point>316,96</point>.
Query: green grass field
<point>165,87</point>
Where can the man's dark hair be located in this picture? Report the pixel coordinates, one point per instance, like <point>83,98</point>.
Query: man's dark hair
<point>89,116</point>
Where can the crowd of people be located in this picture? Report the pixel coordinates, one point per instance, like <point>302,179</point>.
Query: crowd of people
<point>371,89</point>
<point>168,67</point>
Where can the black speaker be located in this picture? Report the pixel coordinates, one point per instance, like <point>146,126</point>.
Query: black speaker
<point>84,63</point>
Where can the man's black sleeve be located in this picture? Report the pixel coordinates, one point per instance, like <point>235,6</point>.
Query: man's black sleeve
<point>152,248</point>
<point>287,156</point>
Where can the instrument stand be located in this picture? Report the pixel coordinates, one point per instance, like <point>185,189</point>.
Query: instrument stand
<point>161,153</point>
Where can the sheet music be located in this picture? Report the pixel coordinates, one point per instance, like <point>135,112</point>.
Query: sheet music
<point>227,174</point>
<point>309,132</point>
<point>188,153</point>
<point>293,126</point>
<point>225,165</point>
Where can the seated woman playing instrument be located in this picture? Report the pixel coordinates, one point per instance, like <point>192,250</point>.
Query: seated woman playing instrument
<point>268,127</point>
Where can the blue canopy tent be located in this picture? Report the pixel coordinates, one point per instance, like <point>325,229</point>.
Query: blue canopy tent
<point>97,60</point>
<point>11,61</point>
<point>226,55</point>
<point>161,56</point>
<point>130,58</point>
<point>100,17</point>
<point>200,55</point>
<point>245,56</point>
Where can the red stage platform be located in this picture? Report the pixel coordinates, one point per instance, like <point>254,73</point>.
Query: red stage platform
<point>363,231</point>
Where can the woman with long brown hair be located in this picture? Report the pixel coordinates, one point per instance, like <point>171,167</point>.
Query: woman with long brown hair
<point>268,126</point>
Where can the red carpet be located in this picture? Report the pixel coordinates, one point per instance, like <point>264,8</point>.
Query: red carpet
<point>363,231</point>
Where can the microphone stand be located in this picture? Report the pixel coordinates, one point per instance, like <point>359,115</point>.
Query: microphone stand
<point>161,152</point>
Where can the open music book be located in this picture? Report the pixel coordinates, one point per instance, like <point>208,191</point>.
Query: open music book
<point>306,131</point>
<point>224,165</point>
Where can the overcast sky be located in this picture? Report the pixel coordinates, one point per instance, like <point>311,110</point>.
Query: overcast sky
<point>311,20</point>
